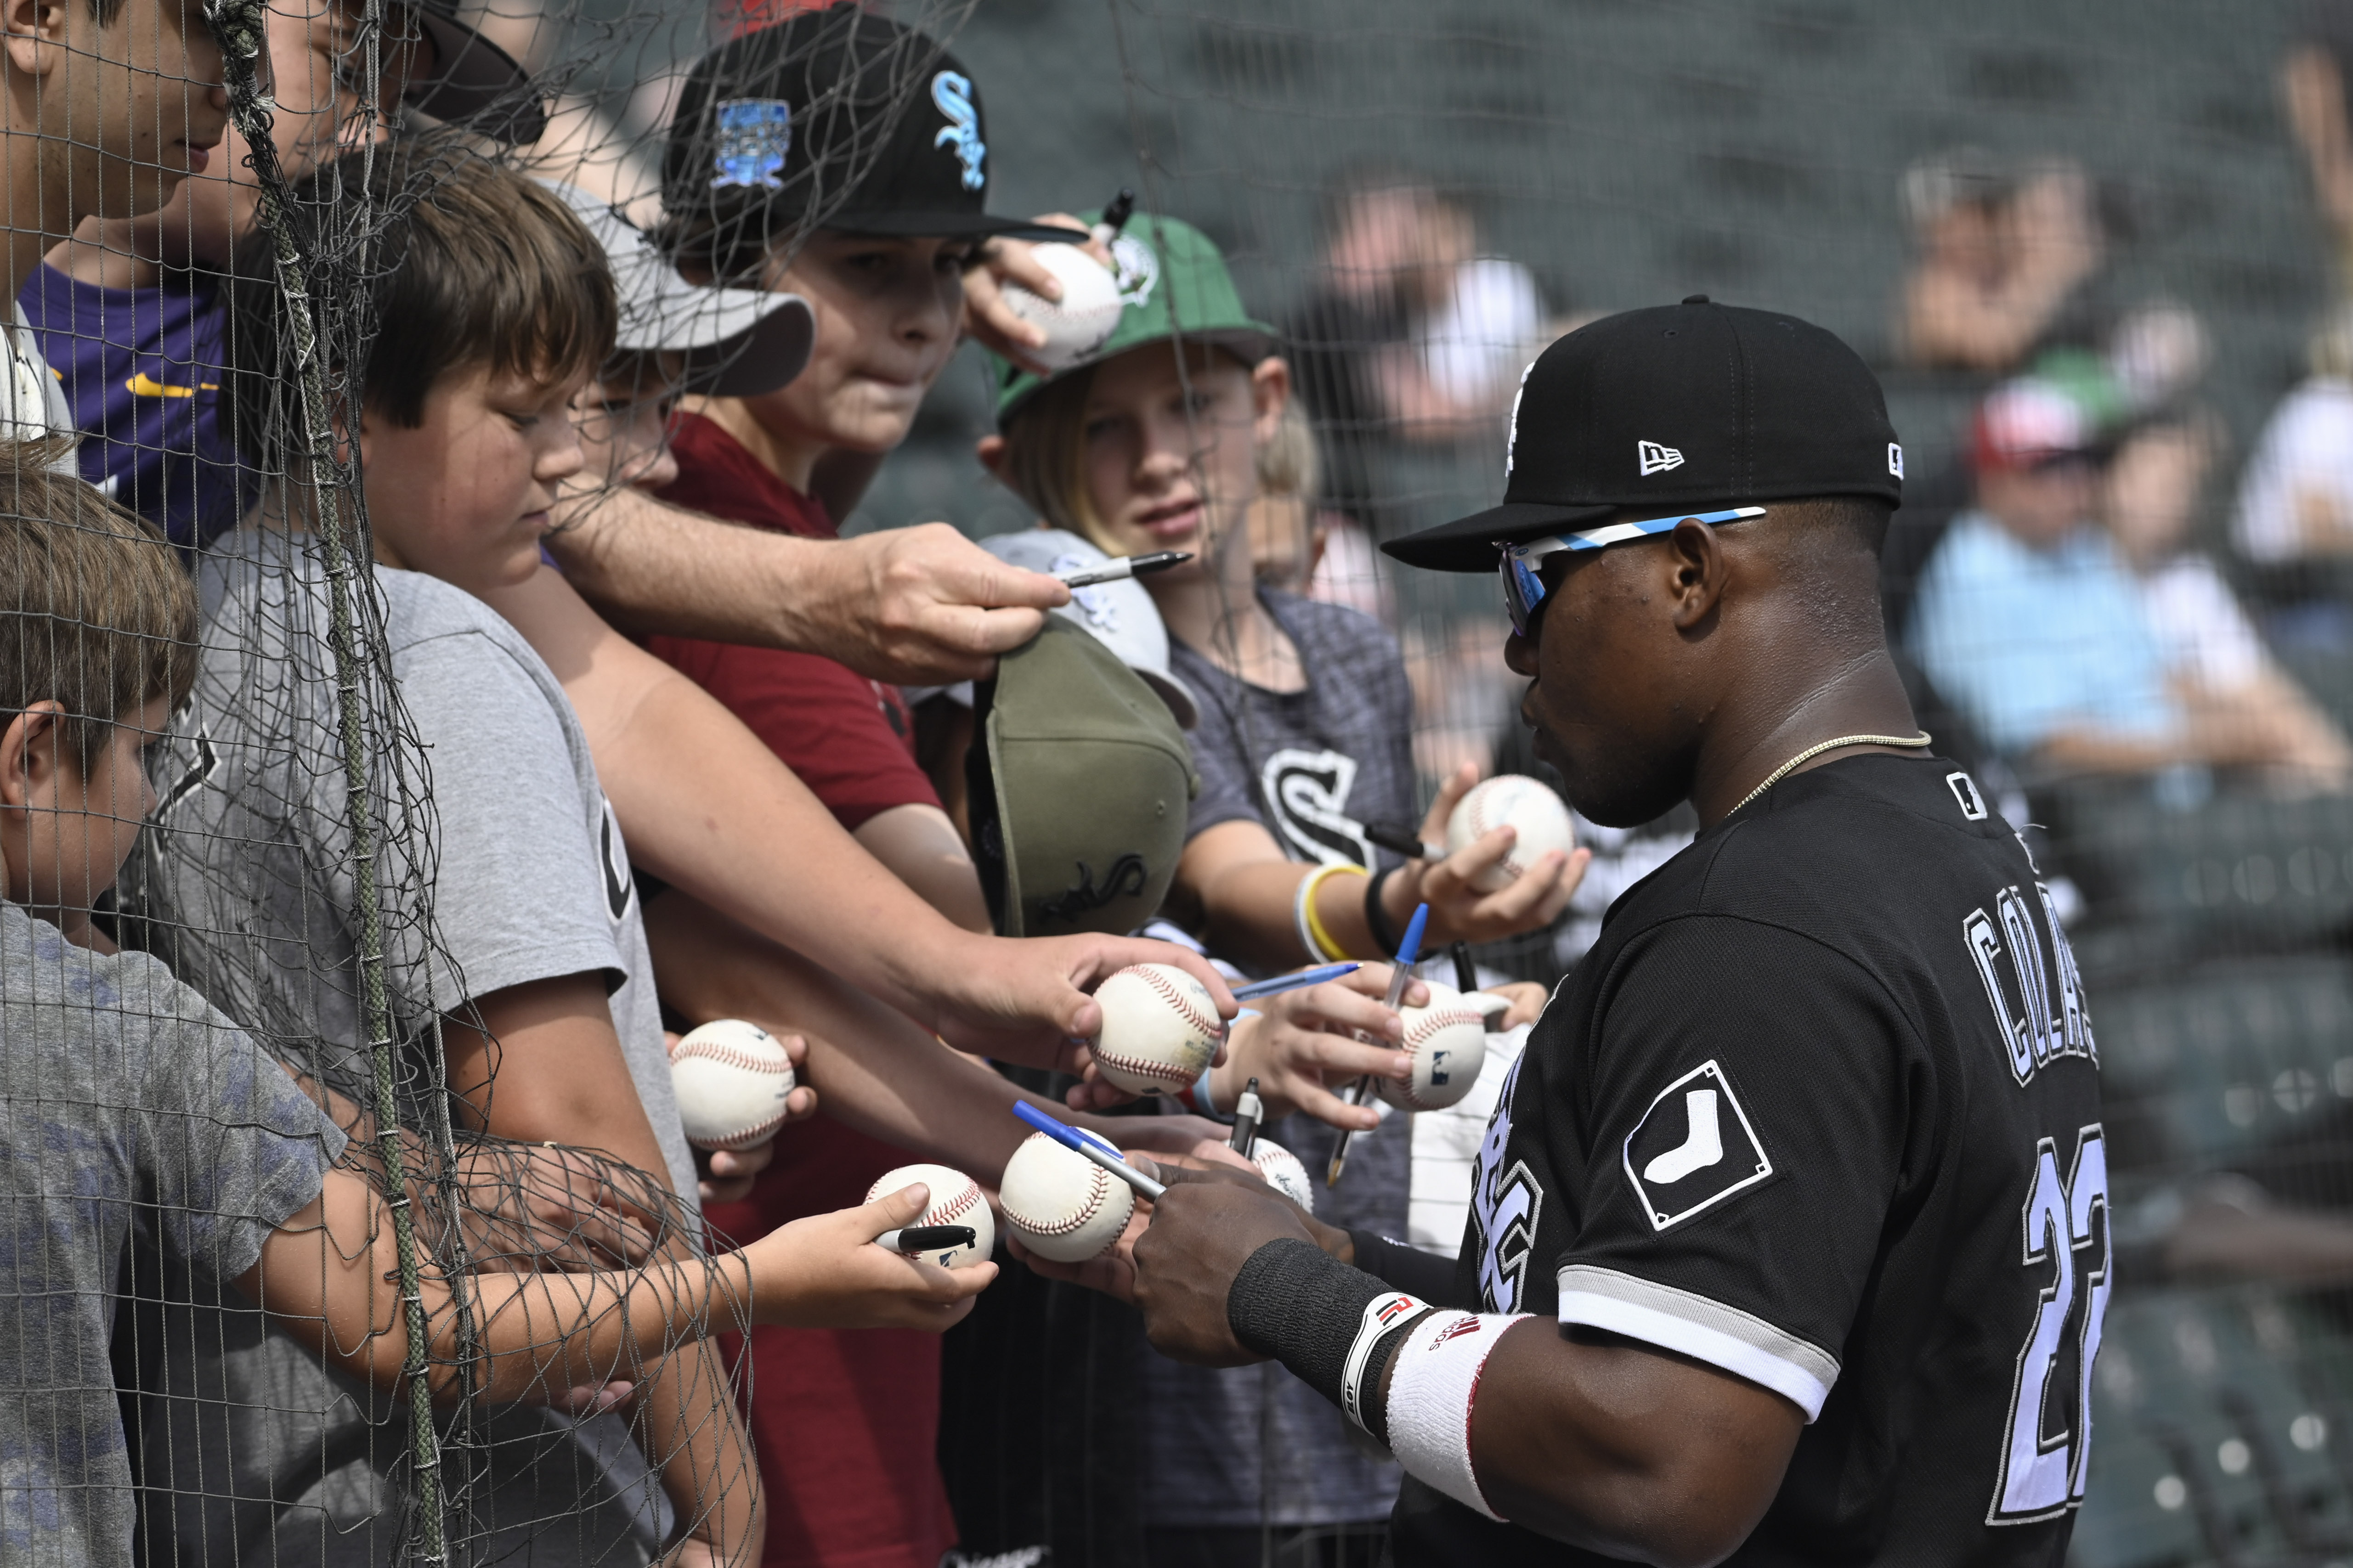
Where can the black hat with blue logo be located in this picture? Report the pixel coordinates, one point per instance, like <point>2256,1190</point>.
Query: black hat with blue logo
<point>836,119</point>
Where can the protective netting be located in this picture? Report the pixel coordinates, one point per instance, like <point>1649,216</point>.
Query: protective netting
<point>2102,247</point>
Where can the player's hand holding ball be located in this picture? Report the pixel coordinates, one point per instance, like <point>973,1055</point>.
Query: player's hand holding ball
<point>825,1271</point>
<point>1510,866</point>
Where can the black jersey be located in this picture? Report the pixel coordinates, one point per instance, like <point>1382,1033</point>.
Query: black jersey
<point>1822,1108</point>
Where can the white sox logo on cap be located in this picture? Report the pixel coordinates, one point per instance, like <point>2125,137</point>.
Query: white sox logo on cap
<point>951,93</point>
<point>1655,459</point>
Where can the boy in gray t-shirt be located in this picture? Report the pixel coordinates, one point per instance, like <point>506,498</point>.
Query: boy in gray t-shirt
<point>536,964</point>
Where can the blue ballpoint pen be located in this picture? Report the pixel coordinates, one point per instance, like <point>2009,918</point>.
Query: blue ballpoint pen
<point>1316,976</point>
<point>1092,1147</point>
<point>1400,977</point>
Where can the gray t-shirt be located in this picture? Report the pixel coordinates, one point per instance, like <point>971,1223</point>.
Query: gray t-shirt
<point>123,1098</point>
<point>249,871</point>
<point>1312,766</point>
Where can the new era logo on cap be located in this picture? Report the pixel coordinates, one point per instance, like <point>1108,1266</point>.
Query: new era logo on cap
<point>1764,407</point>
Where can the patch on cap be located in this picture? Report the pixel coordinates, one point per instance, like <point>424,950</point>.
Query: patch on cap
<point>951,94</point>
<point>1136,267</point>
<point>755,134</point>
<point>1895,459</point>
<point>1656,459</point>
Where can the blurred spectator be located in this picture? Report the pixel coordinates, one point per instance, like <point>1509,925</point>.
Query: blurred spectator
<point>2296,498</point>
<point>1287,533</point>
<point>2313,81</point>
<point>2028,618</point>
<point>2003,250</point>
<point>1409,333</point>
<point>2216,667</point>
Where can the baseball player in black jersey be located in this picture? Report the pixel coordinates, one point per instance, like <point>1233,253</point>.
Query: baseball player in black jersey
<point>1788,1242</point>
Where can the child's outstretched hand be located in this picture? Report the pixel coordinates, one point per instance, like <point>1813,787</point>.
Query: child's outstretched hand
<point>825,1272</point>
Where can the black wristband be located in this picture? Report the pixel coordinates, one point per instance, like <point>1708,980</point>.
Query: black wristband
<point>1407,1269</point>
<point>1299,1304</point>
<point>1377,918</point>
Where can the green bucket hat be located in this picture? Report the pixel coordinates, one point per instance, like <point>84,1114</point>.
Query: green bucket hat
<point>1079,783</point>
<point>1172,282</point>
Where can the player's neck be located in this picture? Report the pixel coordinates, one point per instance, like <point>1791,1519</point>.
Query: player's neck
<point>1761,724</point>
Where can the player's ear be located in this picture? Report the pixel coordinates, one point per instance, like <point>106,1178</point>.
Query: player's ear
<point>1696,569</point>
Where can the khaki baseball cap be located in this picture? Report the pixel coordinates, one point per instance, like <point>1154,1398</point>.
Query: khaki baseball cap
<point>1080,786</point>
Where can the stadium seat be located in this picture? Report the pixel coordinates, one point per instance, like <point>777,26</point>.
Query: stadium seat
<point>2202,1072</point>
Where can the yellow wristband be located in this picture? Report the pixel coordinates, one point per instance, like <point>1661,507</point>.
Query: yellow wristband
<point>1319,940</point>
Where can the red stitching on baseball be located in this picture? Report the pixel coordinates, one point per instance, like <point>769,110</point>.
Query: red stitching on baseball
<point>1186,1007</point>
<point>1154,1072</point>
<point>942,1214</point>
<point>1099,1184</point>
<point>729,1056</point>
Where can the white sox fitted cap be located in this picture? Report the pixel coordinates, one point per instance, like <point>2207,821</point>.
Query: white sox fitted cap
<point>736,343</point>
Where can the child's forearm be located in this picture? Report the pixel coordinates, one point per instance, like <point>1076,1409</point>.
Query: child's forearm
<point>688,1425</point>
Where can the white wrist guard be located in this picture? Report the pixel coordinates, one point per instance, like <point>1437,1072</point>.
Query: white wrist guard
<point>1432,1390</point>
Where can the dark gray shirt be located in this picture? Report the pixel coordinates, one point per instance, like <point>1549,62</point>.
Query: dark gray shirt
<point>1312,766</point>
<point>124,1099</point>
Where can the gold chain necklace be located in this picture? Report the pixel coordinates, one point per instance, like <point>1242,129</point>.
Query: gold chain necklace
<point>1810,753</point>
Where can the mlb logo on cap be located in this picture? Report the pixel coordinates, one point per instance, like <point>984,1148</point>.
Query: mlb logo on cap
<point>755,134</point>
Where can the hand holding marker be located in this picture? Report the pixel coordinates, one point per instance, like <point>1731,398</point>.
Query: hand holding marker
<point>1400,977</point>
<point>1122,568</point>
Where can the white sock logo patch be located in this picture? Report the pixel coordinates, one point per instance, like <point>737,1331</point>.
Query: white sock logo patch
<point>1657,460</point>
<point>1693,1149</point>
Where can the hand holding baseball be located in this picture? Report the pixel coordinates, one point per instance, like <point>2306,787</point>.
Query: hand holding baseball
<point>825,1272</point>
<point>990,318</point>
<point>1304,1048</point>
<point>1460,910</point>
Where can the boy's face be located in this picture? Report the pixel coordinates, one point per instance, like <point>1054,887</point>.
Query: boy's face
<point>73,830</point>
<point>317,71</point>
<point>888,313</point>
<point>624,422</point>
<point>466,495</point>
<point>1172,452</point>
<point>131,109</point>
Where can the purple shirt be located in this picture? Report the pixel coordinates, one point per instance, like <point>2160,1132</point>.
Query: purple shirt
<point>142,371</point>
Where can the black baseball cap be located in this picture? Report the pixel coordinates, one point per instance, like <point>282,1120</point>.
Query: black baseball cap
<point>1677,407</point>
<point>869,126</point>
<point>473,82</point>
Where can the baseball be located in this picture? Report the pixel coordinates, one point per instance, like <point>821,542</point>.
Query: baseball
<point>1510,800</point>
<point>731,1079</point>
<point>1448,1042</point>
<point>1159,1029</point>
<point>1063,1206</point>
<point>956,1199</point>
<point>1082,320</point>
<point>1283,1173</point>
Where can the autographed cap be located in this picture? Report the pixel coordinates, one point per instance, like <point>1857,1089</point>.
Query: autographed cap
<point>838,116</point>
<point>1676,407</point>
<point>1080,787</point>
<point>735,343</point>
<point>1172,282</point>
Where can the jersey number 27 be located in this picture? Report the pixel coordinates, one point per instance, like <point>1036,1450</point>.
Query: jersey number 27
<point>2047,1441</point>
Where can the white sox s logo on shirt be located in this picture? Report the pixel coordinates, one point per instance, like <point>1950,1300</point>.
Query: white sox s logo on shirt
<point>1504,1207</point>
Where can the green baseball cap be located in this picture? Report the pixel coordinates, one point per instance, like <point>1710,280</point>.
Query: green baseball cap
<point>1172,282</point>
<point>1080,783</point>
